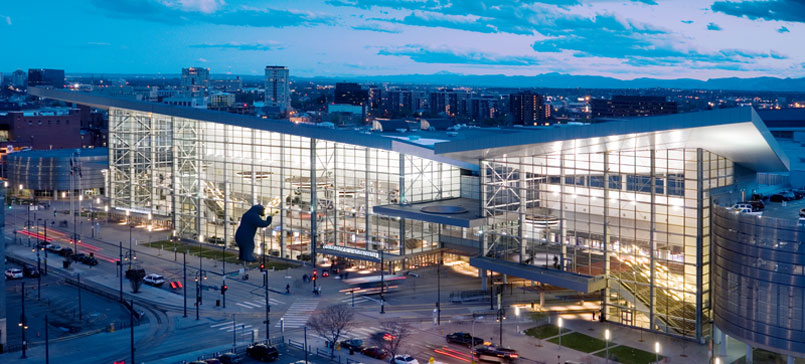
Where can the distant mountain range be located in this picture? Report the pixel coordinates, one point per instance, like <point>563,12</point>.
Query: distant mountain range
<point>559,80</point>
<point>545,80</point>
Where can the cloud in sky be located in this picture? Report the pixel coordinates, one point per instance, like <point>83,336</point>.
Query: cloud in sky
<point>381,27</point>
<point>422,54</point>
<point>193,11</point>
<point>783,10</point>
<point>713,26</point>
<point>263,46</point>
<point>621,38</point>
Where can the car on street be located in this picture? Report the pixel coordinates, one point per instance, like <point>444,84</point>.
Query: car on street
<point>404,359</point>
<point>493,353</point>
<point>262,352</point>
<point>375,352</point>
<point>78,257</point>
<point>212,361</point>
<point>43,245</point>
<point>464,338</point>
<point>230,358</point>
<point>197,362</point>
<point>352,344</point>
<point>30,271</point>
<point>89,260</point>
<point>66,252</point>
<point>154,279</point>
<point>14,273</point>
<point>54,249</point>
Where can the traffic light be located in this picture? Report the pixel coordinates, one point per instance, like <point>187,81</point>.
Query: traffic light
<point>314,277</point>
<point>224,288</point>
<point>262,267</point>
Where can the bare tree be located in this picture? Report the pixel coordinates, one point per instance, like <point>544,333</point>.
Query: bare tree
<point>394,335</point>
<point>332,322</point>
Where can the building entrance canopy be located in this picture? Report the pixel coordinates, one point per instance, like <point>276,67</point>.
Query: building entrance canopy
<point>461,212</point>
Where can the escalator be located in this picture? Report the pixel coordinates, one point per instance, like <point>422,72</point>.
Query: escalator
<point>672,313</point>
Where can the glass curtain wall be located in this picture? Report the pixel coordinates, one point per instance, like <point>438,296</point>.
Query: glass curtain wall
<point>638,216</point>
<point>209,174</point>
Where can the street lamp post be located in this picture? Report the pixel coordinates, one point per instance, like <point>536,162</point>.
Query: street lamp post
<point>47,342</point>
<point>23,323</point>
<point>268,303</point>
<point>606,337</point>
<point>657,353</point>
<point>382,282</point>
<point>45,224</point>
<point>559,322</point>
<point>120,270</point>
<point>131,228</point>
<point>439,290</point>
<point>131,330</point>
<point>184,280</point>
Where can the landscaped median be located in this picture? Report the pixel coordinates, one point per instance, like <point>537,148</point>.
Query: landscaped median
<point>594,346</point>
<point>214,253</point>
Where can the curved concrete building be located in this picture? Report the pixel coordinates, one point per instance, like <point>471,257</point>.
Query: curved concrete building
<point>758,281</point>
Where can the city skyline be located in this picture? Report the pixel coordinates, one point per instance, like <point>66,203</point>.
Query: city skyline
<point>620,39</point>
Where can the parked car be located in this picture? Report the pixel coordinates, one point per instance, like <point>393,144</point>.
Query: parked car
<point>404,359</point>
<point>464,338</point>
<point>14,273</point>
<point>779,197</point>
<point>230,358</point>
<point>262,352</point>
<point>801,213</point>
<point>375,352</point>
<point>798,194</point>
<point>44,245</point>
<point>352,344</point>
<point>197,362</point>
<point>55,249</point>
<point>154,279</point>
<point>493,353</point>
<point>757,205</point>
<point>30,271</point>
<point>212,361</point>
<point>78,257</point>
<point>66,252</point>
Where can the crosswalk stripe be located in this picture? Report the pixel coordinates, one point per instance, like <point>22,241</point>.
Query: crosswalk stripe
<point>242,305</point>
<point>221,324</point>
<point>298,314</point>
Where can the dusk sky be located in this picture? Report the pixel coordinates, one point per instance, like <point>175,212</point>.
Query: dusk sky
<point>623,39</point>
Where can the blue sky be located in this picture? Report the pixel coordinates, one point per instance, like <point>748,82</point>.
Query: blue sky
<point>624,39</point>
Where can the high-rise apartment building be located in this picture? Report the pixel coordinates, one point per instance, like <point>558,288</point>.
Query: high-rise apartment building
<point>528,108</point>
<point>195,79</point>
<point>277,90</point>
<point>19,79</point>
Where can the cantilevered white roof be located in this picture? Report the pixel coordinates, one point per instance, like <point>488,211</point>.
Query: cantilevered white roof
<point>737,134</point>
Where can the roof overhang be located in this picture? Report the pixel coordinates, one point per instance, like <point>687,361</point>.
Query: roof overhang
<point>737,134</point>
<point>246,121</point>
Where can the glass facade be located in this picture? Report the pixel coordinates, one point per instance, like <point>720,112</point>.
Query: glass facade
<point>205,175</point>
<point>638,217</point>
